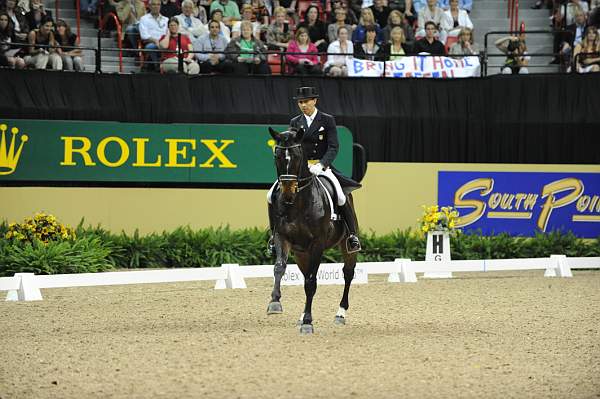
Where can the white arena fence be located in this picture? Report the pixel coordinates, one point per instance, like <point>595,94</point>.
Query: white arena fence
<point>26,286</point>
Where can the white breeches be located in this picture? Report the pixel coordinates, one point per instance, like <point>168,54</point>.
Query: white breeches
<point>341,197</point>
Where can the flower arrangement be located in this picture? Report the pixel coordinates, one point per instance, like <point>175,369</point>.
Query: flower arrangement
<point>42,227</point>
<point>434,219</point>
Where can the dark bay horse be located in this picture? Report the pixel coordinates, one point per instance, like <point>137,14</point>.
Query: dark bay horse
<point>302,224</point>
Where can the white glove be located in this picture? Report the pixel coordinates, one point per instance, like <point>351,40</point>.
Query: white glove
<point>316,169</point>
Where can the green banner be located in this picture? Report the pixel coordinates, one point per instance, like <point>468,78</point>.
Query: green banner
<point>112,152</point>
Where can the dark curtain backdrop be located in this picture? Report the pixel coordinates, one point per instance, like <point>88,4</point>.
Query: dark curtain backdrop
<point>505,119</point>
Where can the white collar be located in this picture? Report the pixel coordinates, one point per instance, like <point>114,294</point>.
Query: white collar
<point>312,116</point>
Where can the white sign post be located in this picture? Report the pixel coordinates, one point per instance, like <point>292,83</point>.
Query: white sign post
<point>438,250</point>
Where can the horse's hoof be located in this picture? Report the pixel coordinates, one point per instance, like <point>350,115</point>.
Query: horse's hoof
<point>274,308</point>
<point>306,329</point>
<point>339,320</point>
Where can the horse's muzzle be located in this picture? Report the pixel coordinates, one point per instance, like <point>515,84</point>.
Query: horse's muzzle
<point>289,183</point>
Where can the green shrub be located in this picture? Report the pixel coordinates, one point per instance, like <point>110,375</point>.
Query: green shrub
<point>97,249</point>
<point>85,255</point>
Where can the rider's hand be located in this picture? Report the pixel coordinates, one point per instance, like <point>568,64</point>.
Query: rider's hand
<point>316,169</point>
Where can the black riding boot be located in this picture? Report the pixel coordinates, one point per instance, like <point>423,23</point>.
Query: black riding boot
<point>352,242</point>
<point>271,243</point>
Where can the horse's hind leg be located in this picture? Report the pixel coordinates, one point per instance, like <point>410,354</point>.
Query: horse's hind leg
<point>349,265</point>
<point>282,250</point>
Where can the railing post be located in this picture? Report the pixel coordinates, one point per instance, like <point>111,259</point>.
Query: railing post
<point>99,53</point>
<point>179,55</point>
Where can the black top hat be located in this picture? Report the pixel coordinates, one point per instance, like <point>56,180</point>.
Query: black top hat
<point>302,93</point>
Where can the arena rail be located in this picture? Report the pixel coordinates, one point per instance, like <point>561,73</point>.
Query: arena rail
<point>26,286</point>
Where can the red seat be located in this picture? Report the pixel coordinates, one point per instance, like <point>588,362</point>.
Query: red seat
<point>274,61</point>
<point>450,41</point>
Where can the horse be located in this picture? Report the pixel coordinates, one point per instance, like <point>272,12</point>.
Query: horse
<point>302,224</point>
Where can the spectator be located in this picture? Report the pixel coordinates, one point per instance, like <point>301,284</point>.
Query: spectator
<point>417,6</point>
<point>188,24</point>
<point>397,19</point>
<point>213,41</point>
<point>336,64</point>
<point>217,15</point>
<point>340,21</point>
<point>170,8</point>
<point>260,12</point>
<point>350,16</point>
<point>247,54</point>
<point>397,47</point>
<point>129,13</point>
<point>19,22</point>
<point>366,19</point>
<point>381,12</point>
<point>152,27</point>
<point>71,57</point>
<point>431,13</point>
<point>406,7</point>
<point>37,13</point>
<point>43,49</point>
<point>279,33</point>
<point>170,60</point>
<point>566,41</point>
<point>465,44</point>
<point>455,19</point>
<point>231,12</point>
<point>289,6</point>
<point>315,27</point>
<point>515,49</point>
<point>201,10</point>
<point>572,7</point>
<point>8,55</point>
<point>247,15</point>
<point>466,5</point>
<point>429,44</point>
<point>304,63</point>
<point>587,53</point>
<point>369,50</point>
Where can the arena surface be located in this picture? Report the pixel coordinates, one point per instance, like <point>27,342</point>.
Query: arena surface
<point>494,335</point>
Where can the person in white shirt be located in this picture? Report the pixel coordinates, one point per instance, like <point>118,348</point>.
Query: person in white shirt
<point>152,27</point>
<point>336,64</point>
<point>217,15</point>
<point>188,24</point>
<point>454,19</point>
<point>247,15</point>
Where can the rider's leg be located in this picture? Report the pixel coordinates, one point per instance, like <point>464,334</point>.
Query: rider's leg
<point>352,243</point>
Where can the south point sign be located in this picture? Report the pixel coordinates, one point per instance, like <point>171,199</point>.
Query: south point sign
<point>107,153</point>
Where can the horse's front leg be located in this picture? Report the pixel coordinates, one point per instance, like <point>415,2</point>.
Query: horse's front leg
<point>282,251</point>
<point>310,288</point>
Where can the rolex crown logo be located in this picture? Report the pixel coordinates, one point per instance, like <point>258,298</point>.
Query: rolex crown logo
<point>8,157</point>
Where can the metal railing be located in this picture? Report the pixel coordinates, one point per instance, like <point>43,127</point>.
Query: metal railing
<point>282,60</point>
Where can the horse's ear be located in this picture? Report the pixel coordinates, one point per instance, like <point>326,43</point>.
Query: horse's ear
<point>274,134</point>
<point>300,134</point>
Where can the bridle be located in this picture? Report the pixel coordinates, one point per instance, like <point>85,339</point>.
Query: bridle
<point>297,183</point>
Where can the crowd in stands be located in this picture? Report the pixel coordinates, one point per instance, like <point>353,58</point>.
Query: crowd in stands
<point>577,33</point>
<point>239,36</point>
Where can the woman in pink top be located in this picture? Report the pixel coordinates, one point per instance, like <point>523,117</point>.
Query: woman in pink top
<point>302,57</point>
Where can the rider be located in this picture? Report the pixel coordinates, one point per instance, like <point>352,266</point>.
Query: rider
<point>320,144</point>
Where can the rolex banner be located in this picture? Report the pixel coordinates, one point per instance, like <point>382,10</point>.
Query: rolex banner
<point>63,151</point>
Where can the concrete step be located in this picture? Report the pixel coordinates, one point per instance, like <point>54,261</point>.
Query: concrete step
<point>497,13</point>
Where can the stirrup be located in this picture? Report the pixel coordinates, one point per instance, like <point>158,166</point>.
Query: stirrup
<point>353,247</point>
